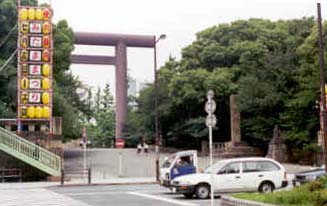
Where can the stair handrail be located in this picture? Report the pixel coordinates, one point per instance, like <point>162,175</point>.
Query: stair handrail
<point>31,150</point>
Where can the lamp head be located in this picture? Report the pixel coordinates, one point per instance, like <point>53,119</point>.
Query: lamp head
<point>162,36</point>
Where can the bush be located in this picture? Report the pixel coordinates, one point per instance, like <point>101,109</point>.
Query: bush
<point>316,185</point>
<point>320,198</point>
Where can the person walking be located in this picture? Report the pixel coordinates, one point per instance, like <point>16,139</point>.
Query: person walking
<point>146,148</point>
<point>139,148</point>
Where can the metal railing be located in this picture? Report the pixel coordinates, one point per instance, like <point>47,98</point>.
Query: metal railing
<point>76,173</point>
<point>30,153</point>
<point>10,175</point>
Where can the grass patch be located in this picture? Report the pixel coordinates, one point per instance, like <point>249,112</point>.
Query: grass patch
<point>312,194</point>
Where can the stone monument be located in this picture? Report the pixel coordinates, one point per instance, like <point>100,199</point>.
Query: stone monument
<point>277,148</point>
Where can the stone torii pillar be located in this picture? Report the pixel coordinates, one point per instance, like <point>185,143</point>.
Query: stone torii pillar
<point>120,42</point>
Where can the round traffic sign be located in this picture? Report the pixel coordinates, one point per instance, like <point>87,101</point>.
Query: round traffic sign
<point>120,143</point>
<point>211,120</point>
<point>210,107</point>
<point>210,94</point>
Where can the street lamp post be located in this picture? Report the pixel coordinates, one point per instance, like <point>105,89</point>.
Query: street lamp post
<point>162,36</point>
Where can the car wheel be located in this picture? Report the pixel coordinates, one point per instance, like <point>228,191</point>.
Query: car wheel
<point>188,195</point>
<point>266,187</point>
<point>202,191</point>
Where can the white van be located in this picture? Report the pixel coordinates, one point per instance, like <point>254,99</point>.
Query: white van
<point>234,175</point>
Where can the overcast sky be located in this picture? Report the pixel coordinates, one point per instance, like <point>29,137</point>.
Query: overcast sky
<point>180,20</point>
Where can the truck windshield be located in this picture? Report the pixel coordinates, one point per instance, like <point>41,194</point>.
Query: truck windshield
<point>168,162</point>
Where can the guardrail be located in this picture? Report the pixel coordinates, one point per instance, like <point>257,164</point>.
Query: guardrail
<point>10,174</point>
<point>76,173</point>
<point>30,153</point>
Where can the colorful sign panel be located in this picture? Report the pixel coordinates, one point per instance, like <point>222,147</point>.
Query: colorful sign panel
<point>34,90</point>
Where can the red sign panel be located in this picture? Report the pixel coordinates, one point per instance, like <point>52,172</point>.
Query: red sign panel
<point>120,143</point>
<point>35,55</point>
<point>35,69</point>
<point>35,28</point>
<point>36,42</point>
<point>34,98</point>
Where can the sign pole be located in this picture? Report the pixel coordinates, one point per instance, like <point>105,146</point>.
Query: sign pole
<point>211,121</point>
<point>120,163</point>
<point>120,144</point>
<point>84,137</point>
<point>211,162</point>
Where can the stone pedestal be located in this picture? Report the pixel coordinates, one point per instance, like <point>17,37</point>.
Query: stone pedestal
<point>205,147</point>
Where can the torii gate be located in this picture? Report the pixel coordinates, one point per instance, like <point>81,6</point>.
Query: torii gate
<point>120,42</point>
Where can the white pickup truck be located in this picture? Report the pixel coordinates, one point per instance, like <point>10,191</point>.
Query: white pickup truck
<point>178,164</point>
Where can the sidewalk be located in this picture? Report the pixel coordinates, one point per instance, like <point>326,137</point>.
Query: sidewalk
<point>114,181</point>
<point>111,181</point>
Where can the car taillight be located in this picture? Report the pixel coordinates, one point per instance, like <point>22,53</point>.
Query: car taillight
<point>285,175</point>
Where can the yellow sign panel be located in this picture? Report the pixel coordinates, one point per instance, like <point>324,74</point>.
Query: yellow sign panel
<point>35,63</point>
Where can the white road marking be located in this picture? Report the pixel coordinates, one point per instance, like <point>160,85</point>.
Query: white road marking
<point>36,197</point>
<point>93,193</point>
<point>176,202</point>
<point>106,193</point>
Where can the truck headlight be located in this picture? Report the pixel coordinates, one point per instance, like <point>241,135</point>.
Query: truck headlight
<point>184,183</point>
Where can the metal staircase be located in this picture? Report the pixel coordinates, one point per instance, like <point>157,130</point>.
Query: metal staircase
<point>30,153</point>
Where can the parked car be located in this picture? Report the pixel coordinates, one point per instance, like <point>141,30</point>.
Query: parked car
<point>308,176</point>
<point>178,164</point>
<point>234,175</point>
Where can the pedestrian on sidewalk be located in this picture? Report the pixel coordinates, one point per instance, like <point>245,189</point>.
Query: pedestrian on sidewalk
<point>139,148</point>
<point>146,148</point>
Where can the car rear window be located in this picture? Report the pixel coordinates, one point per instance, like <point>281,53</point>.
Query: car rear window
<point>259,166</point>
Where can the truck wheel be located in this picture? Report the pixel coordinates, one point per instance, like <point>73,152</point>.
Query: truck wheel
<point>266,187</point>
<point>202,191</point>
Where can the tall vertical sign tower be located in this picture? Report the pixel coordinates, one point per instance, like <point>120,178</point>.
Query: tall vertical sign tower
<point>34,71</point>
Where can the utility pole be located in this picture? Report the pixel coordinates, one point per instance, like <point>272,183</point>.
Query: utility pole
<point>322,82</point>
<point>156,140</point>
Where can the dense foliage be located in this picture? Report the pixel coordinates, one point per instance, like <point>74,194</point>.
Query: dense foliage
<point>272,66</point>
<point>310,194</point>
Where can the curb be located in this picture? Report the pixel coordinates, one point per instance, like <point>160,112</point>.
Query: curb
<point>232,201</point>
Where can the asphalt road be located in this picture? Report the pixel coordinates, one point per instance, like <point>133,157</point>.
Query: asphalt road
<point>128,195</point>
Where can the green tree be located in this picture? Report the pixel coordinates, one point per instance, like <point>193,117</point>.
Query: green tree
<point>102,132</point>
<point>272,66</point>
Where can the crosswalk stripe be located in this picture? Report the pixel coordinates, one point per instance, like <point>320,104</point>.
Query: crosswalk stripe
<point>36,197</point>
<point>176,202</point>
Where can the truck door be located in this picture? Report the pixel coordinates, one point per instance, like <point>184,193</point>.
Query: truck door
<point>183,165</point>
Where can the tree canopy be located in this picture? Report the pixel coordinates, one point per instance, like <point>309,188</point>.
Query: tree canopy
<point>272,66</point>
